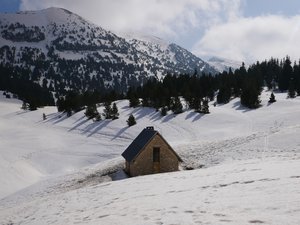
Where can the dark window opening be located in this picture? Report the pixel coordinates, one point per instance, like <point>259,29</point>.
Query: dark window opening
<point>156,154</point>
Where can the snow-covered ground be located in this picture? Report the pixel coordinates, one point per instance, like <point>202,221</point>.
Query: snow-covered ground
<point>53,171</point>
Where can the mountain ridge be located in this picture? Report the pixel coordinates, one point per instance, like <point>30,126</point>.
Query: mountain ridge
<point>222,64</point>
<point>59,48</point>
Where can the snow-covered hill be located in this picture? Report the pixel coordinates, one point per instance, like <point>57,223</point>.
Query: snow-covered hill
<point>171,55</point>
<point>54,171</point>
<point>246,192</point>
<point>221,64</point>
<point>63,48</point>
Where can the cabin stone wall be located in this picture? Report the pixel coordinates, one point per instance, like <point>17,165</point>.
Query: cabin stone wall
<point>127,167</point>
<point>143,163</point>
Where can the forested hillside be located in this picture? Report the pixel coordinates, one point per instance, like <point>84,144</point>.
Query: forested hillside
<point>61,52</point>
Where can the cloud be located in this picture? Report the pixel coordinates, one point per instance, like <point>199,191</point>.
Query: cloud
<point>251,39</point>
<point>166,18</point>
<point>216,26</point>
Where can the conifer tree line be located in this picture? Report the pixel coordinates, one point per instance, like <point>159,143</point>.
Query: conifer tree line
<point>110,111</point>
<point>15,80</point>
<point>198,90</point>
<point>165,95</point>
<point>74,102</point>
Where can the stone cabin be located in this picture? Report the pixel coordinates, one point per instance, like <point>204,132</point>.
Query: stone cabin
<point>150,153</point>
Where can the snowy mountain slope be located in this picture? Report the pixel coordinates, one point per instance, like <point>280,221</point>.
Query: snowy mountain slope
<point>31,151</point>
<point>170,54</point>
<point>246,192</point>
<point>221,64</point>
<point>57,25</point>
<point>249,159</point>
<point>83,55</point>
<point>93,144</point>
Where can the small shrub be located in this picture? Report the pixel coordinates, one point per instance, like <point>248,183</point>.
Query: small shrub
<point>131,120</point>
<point>163,111</point>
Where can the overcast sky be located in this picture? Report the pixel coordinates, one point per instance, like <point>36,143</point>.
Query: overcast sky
<point>244,30</point>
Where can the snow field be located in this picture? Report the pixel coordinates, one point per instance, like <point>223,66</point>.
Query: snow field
<point>54,170</point>
<point>247,192</point>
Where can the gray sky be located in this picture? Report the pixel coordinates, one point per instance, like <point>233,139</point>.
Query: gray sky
<point>244,30</point>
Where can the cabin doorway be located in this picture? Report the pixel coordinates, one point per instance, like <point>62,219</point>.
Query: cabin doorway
<point>156,160</point>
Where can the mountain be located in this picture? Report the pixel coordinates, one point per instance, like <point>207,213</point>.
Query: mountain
<point>222,64</point>
<point>172,56</point>
<point>61,51</point>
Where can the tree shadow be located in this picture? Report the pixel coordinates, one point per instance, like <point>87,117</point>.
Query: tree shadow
<point>59,118</point>
<point>22,112</point>
<point>78,124</point>
<point>127,108</point>
<point>119,133</point>
<point>142,112</point>
<point>53,116</point>
<point>195,115</point>
<point>198,116</point>
<point>155,116</point>
<point>81,118</point>
<point>90,127</point>
<point>167,118</point>
<point>239,106</point>
<point>97,128</point>
<point>190,115</point>
<point>47,119</point>
<point>50,115</point>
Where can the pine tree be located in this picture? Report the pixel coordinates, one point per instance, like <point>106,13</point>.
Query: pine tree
<point>297,78</point>
<point>272,98</point>
<point>224,95</point>
<point>163,111</point>
<point>60,104</point>
<point>133,98</point>
<point>205,107</point>
<point>114,112</point>
<point>131,120</point>
<point>107,110</point>
<point>291,91</point>
<point>134,102</point>
<point>32,106</point>
<point>91,111</point>
<point>69,112</point>
<point>285,75</point>
<point>97,117</point>
<point>24,106</point>
<point>196,104</point>
<point>145,102</point>
<point>176,106</point>
<point>250,97</point>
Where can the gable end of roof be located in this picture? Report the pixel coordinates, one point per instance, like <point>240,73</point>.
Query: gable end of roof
<point>138,144</point>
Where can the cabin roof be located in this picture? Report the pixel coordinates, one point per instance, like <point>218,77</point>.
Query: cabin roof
<point>140,142</point>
